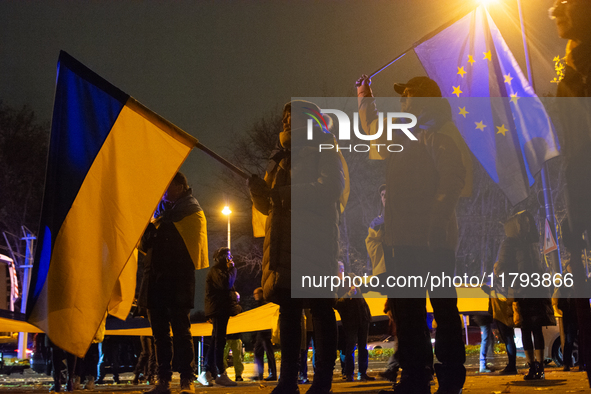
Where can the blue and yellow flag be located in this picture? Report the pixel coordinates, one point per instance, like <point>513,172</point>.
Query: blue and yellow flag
<point>110,161</point>
<point>473,66</point>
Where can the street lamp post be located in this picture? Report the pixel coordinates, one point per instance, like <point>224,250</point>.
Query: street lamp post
<point>226,211</point>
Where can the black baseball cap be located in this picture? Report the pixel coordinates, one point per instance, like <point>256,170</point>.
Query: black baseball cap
<point>424,86</point>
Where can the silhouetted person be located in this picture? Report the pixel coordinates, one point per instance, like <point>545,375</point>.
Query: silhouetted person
<point>176,244</point>
<point>262,346</point>
<point>221,302</point>
<point>520,253</point>
<point>355,318</point>
<point>421,228</point>
<point>573,21</point>
<point>317,181</point>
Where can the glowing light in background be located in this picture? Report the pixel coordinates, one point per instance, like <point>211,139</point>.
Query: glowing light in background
<point>226,211</point>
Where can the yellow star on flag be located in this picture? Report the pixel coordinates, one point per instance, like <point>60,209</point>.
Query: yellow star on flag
<point>508,78</point>
<point>514,98</point>
<point>487,55</point>
<point>471,60</point>
<point>461,71</point>
<point>502,130</point>
<point>480,125</point>
<point>463,111</point>
<point>457,90</point>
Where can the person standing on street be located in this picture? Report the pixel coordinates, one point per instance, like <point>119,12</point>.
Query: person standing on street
<point>421,228</point>
<point>355,318</point>
<point>221,302</point>
<point>175,244</point>
<point>317,181</point>
<point>262,346</point>
<point>573,22</point>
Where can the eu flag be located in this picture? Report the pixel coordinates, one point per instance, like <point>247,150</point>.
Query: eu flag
<point>495,108</point>
<point>110,161</point>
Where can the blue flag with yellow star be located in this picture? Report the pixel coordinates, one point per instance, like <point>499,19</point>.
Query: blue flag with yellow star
<point>495,108</point>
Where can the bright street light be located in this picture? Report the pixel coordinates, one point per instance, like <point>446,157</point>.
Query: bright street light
<point>227,211</point>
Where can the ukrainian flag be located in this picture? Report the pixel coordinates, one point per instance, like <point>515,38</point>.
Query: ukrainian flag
<point>110,161</point>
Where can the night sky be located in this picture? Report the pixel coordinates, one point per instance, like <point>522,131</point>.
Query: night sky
<point>214,68</point>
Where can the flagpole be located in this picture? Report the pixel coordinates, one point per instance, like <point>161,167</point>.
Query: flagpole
<point>225,162</point>
<point>556,265</point>
<point>389,63</point>
<point>525,46</point>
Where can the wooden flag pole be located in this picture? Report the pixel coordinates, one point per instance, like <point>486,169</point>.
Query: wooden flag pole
<point>225,162</point>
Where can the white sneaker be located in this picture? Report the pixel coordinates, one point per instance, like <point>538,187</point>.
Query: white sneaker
<point>205,379</point>
<point>224,380</point>
<point>89,385</point>
<point>76,383</point>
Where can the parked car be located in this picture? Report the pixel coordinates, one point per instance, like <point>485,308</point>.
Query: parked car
<point>386,342</point>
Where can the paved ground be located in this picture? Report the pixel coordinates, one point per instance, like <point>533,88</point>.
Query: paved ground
<point>556,381</point>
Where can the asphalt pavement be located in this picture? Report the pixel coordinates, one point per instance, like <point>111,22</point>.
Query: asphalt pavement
<point>556,381</point>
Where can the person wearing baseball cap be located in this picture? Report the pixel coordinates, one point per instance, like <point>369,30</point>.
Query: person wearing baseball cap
<point>420,86</point>
<point>424,181</point>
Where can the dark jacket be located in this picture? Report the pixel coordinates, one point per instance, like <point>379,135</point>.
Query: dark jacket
<point>520,254</point>
<point>576,82</point>
<point>425,181</point>
<point>316,181</point>
<point>220,295</point>
<point>168,267</point>
<point>353,309</point>
<point>575,116</point>
<point>576,138</point>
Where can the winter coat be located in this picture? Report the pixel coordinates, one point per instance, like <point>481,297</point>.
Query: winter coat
<point>315,180</point>
<point>520,254</point>
<point>576,82</point>
<point>536,312</point>
<point>564,303</point>
<point>353,309</point>
<point>425,180</point>
<point>576,138</point>
<point>168,266</point>
<point>220,295</point>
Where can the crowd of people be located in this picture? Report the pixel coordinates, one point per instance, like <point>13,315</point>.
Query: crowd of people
<point>417,229</point>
